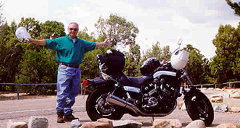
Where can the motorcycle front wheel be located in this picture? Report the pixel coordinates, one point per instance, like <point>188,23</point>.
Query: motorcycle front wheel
<point>97,107</point>
<point>199,107</point>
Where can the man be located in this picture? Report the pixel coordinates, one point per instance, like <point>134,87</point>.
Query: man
<point>70,52</point>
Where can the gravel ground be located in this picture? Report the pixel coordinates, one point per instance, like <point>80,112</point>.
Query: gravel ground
<point>21,110</point>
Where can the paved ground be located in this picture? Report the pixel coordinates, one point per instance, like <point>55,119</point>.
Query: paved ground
<point>21,110</point>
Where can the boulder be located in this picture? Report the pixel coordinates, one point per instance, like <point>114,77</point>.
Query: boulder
<point>216,98</point>
<point>234,109</point>
<point>75,123</point>
<point>196,124</point>
<point>228,125</point>
<point>182,106</point>
<point>100,123</point>
<point>220,108</point>
<point>126,124</point>
<point>12,124</point>
<point>167,123</point>
<point>235,94</point>
<point>37,122</point>
<point>105,120</point>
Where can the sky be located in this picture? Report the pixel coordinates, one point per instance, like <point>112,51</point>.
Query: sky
<point>195,22</point>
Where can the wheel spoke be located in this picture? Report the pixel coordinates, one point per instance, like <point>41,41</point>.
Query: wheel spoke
<point>201,108</point>
<point>102,107</point>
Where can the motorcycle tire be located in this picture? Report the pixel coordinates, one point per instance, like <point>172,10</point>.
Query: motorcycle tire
<point>199,107</point>
<point>97,107</point>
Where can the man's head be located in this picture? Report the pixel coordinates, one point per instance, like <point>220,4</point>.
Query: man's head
<point>73,29</point>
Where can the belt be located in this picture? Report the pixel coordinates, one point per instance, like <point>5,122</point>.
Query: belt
<point>70,65</point>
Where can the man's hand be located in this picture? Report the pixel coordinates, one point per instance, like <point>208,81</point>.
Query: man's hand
<point>104,43</point>
<point>107,43</point>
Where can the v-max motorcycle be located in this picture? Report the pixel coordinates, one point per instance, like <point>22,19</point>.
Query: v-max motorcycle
<point>153,94</point>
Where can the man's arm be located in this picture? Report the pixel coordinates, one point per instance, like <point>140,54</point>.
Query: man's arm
<point>104,43</point>
<point>38,42</point>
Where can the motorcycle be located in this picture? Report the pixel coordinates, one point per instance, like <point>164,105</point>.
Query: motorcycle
<point>154,94</point>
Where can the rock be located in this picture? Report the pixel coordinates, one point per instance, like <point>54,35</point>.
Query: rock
<point>220,108</point>
<point>96,125</point>
<point>234,109</point>
<point>235,94</point>
<point>196,124</point>
<point>38,122</point>
<point>211,88</point>
<point>75,123</point>
<point>126,124</point>
<point>167,123</point>
<point>12,124</point>
<point>105,120</point>
<point>228,125</point>
<point>182,106</point>
<point>100,123</point>
<point>218,89</point>
<point>216,98</point>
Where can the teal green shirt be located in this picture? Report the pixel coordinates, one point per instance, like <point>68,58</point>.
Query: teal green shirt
<point>69,51</point>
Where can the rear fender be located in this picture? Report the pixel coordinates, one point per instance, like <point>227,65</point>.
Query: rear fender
<point>91,84</point>
<point>96,81</point>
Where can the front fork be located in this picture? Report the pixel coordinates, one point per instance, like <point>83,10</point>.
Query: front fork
<point>185,74</point>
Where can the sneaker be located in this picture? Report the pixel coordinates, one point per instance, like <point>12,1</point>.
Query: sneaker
<point>60,119</point>
<point>69,118</point>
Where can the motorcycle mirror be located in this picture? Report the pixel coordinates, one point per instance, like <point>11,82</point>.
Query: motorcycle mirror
<point>179,43</point>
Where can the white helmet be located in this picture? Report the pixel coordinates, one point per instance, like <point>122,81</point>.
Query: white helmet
<point>179,59</point>
<point>22,34</point>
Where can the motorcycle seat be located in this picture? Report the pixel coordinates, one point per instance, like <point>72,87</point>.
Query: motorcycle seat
<point>134,81</point>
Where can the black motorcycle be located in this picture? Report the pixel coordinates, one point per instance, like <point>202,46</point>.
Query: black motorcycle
<point>153,94</point>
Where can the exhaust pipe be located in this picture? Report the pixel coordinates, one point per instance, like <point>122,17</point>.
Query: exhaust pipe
<point>120,102</point>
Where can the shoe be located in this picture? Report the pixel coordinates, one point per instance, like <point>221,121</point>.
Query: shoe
<point>60,117</point>
<point>69,118</point>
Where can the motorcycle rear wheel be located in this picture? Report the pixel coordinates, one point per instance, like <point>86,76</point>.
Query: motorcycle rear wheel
<point>199,107</point>
<point>97,107</point>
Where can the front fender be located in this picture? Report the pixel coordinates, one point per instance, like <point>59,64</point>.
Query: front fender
<point>192,92</point>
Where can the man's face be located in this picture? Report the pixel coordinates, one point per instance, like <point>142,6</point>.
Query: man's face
<point>73,30</point>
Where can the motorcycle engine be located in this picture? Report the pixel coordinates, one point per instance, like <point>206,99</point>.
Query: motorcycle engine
<point>158,96</point>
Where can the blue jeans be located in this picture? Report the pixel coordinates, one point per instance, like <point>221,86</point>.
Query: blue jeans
<point>68,87</point>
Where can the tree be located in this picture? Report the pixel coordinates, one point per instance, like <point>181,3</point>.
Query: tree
<point>37,67</point>
<point>83,34</point>
<point>51,30</point>
<point>132,60</point>
<point>2,19</point>
<point>162,54</point>
<point>197,65</point>
<point>117,29</point>
<point>2,48</point>
<point>10,54</point>
<point>166,54</point>
<point>38,64</point>
<point>32,26</point>
<point>235,6</point>
<point>225,65</point>
<point>89,67</point>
